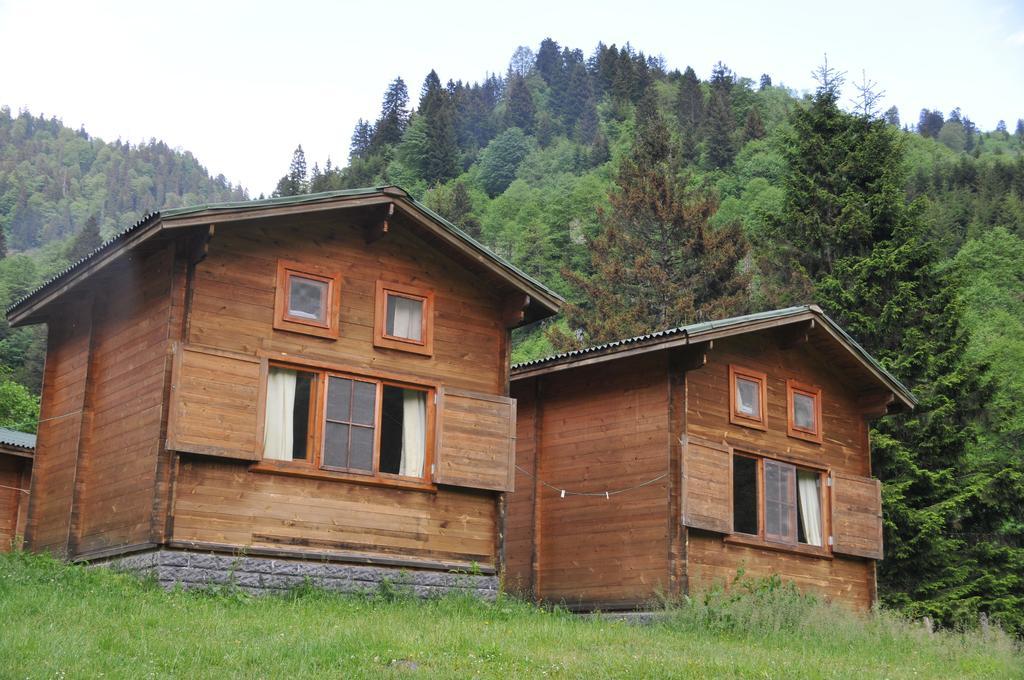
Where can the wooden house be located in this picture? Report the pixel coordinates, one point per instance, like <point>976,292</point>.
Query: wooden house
<point>315,382</point>
<point>662,465</point>
<point>16,452</point>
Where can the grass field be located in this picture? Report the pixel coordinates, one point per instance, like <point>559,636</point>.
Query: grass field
<point>70,622</point>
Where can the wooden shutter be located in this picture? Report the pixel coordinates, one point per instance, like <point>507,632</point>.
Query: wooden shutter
<point>476,440</point>
<point>856,516</point>
<point>707,485</point>
<point>779,502</point>
<point>215,403</point>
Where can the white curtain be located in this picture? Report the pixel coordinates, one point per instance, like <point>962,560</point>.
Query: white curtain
<point>408,321</point>
<point>810,505</point>
<point>278,433</point>
<point>414,433</point>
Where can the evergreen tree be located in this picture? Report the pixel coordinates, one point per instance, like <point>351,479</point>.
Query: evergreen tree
<point>438,113</point>
<point>892,116</point>
<point>294,183</point>
<point>929,123</point>
<point>1019,132</point>
<point>656,262</point>
<point>362,137</point>
<point>754,126</point>
<point>86,241</point>
<point>549,61</point>
<point>520,111</point>
<point>394,115</point>
<point>690,102</point>
<point>721,121</point>
<point>766,82</point>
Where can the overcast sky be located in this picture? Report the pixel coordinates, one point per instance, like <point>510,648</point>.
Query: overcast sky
<point>239,84</point>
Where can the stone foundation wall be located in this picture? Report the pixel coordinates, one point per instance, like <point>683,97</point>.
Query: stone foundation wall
<point>262,575</point>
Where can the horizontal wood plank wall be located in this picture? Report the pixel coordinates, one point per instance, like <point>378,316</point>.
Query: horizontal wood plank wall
<point>605,428</point>
<point>520,514</point>
<point>707,408</point>
<point>224,503</point>
<point>67,358</point>
<point>120,450</point>
<point>712,562</point>
<point>11,479</point>
<point>709,560</point>
<point>233,303</point>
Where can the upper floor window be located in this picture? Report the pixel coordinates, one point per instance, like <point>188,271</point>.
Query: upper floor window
<point>804,411</point>
<point>404,318</point>
<point>748,397</point>
<point>307,299</point>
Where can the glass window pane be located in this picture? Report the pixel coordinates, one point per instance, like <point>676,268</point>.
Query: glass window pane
<point>392,415</point>
<point>779,501</point>
<point>404,318</point>
<point>339,399</point>
<point>803,411</point>
<point>300,415</point>
<point>361,455</point>
<point>748,398</point>
<point>744,495</point>
<point>364,403</point>
<point>307,298</point>
<point>336,445</point>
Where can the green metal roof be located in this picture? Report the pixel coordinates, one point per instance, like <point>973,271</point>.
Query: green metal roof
<point>692,333</point>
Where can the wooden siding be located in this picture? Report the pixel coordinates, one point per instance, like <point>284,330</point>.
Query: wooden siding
<point>602,428</point>
<point>53,479</point>
<point>224,503</point>
<point>713,562</point>
<point>520,516</point>
<point>124,407</point>
<point>14,475</point>
<point>233,300</point>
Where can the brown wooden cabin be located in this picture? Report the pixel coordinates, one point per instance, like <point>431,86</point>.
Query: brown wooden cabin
<point>16,451</point>
<point>323,376</point>
<point>732,444</point>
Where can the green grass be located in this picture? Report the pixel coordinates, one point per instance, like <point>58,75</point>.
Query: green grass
<point>68,621</point>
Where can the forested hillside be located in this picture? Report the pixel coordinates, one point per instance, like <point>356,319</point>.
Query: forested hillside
<point>651,198</point>
<point>61,193</point>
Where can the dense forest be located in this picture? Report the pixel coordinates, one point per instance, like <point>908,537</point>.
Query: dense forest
<point>649,197</point>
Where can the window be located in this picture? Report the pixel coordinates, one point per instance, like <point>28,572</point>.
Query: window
<point>307,299</point>
<point>748,397</point>
<point>777,502</point>
<point>348,424</point>
<point>404,318</point>
<point>804,409</point>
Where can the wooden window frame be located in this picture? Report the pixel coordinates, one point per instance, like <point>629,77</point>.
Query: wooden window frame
<point>330,328</point>
<point>792,389</point>
<point>737,418</point>
<point>313,466</point>
<point>760,539</point>
<point>381,339</point>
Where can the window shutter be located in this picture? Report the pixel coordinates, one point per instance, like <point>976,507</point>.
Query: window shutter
<point>779,502</point>
<point>707,485</point>
<point>476,440</point>
<point>215,403</point>
<point>857,516</point>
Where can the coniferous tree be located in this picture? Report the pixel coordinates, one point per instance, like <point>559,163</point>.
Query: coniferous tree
<point>438,112</point>
<point>766,82</point>
<point>520,111</point>
<point>690,102</point>
<point>362,137</point>
<point>720,122</point>
<point>657,261</point>
<point>892,116</point>
<point>549,61</point>
<point>394,115</point>
<point>753,128</point>
<point>929,123</point>
<point>86,240</point>
<point>294,183</point>
<point>1019,132</point>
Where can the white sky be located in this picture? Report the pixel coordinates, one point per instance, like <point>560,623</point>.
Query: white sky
<point>239,84</point>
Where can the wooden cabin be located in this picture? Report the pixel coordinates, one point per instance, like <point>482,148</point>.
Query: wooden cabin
<point>313,382</point>
<point>16,452</point>
<point>664,464</point>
